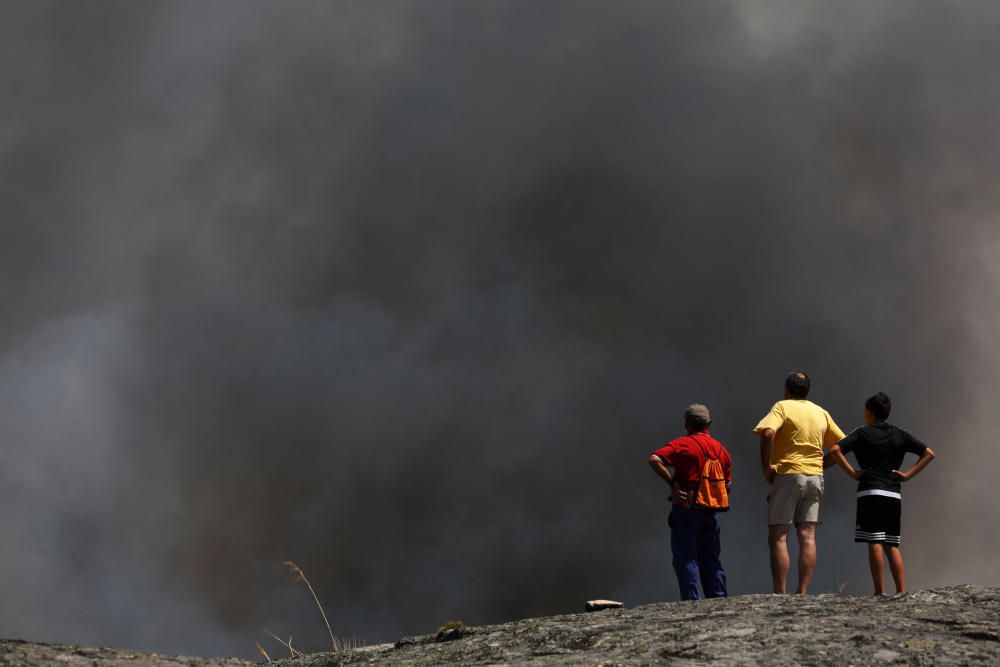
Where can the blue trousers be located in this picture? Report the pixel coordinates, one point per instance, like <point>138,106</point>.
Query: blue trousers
<point>694,541</point>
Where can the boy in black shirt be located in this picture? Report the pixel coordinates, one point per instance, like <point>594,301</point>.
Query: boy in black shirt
<point>880,448</point>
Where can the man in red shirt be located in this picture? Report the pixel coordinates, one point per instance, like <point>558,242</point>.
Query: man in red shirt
<point>694,532</point>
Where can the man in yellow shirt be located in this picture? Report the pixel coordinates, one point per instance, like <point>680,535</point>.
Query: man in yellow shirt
<point>792,438</point>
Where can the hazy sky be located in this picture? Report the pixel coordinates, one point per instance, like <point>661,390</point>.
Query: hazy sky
<point>407,292</point>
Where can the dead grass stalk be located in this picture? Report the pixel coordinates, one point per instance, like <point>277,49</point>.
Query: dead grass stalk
<point>301,576</point>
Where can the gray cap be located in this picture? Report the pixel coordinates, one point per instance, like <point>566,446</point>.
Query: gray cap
<point>698,410</point>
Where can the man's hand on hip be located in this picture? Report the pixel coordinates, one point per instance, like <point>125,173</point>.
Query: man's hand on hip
<point>681,495</point>
<point>769,474</point>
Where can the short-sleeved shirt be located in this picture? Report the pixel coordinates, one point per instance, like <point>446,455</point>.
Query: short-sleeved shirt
<point>801,430</point>
<point>687,456</point>
<point>880,449</point>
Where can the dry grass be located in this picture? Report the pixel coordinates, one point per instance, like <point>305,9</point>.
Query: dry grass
<point>296,653</point>
<point>336,644</point>
<point>301,576</point>
<point>260,649</point>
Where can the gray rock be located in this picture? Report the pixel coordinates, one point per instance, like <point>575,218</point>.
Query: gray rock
<point>16,653</point>
<point>948,626</point>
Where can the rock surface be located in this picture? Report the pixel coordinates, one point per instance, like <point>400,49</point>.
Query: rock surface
<point>16,653</point>
<point>949,626</point>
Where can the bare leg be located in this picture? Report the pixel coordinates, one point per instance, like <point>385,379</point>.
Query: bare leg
<point>896,567</point>
<point>777,540</point>
<point>807,554</point>
<point>875,563</point>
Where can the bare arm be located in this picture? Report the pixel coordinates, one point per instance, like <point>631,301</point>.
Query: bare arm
<point>656,463</point>
<point>766,443</point>
<point>835,456</point>
<point>925,458</point>
<point>828,459</point>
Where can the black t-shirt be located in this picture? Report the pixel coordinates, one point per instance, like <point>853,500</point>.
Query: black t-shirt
<point>880,448</point>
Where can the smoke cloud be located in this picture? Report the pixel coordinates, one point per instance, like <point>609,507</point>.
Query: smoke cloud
<point>407,292</point>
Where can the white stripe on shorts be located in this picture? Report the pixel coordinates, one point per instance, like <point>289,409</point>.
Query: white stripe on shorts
<point>861,533</point>
<point>880,492</point>
<point>888,539</point>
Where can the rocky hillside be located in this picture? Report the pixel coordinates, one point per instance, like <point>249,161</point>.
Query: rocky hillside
<point>959,625</point>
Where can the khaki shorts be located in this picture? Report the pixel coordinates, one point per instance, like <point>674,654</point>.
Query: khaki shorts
<point>794,498</point>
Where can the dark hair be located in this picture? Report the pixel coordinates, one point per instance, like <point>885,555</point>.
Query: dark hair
<point>696,423</point>
<point>797,384</point>
<point>879,405</point>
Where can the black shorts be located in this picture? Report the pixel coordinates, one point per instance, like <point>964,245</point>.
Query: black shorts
<point>878,519</point>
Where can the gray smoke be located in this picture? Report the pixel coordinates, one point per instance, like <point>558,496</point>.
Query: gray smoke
<point>407,292</point>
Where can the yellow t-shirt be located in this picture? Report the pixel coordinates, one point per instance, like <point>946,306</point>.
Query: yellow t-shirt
<point>801,430</point>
